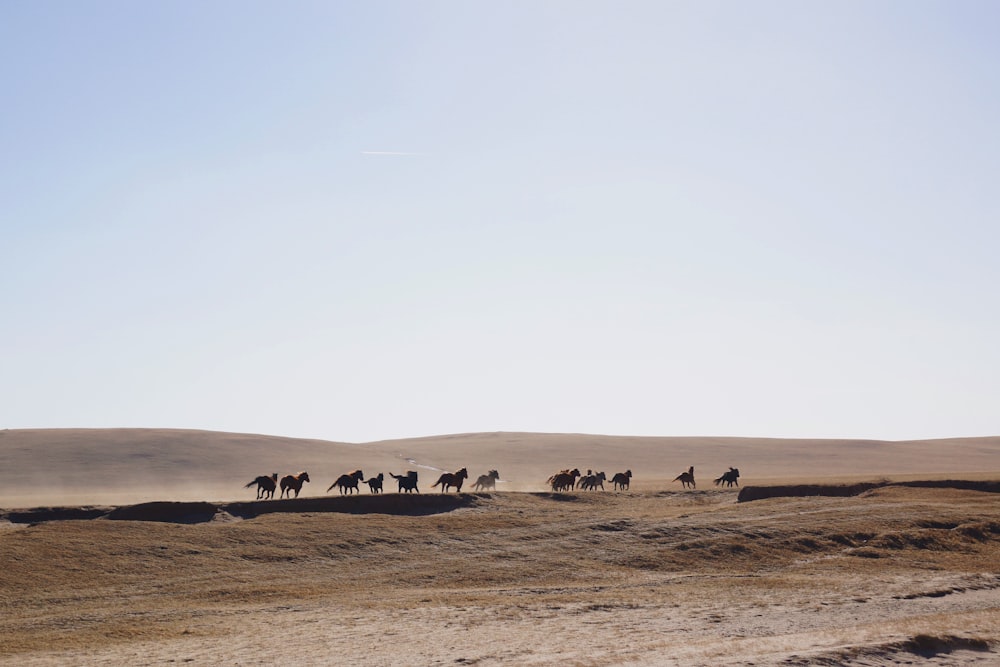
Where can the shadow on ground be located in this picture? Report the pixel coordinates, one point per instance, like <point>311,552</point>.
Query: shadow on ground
<point>200,512</point>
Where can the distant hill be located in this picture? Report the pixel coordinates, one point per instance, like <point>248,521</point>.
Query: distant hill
<point>74,466</point>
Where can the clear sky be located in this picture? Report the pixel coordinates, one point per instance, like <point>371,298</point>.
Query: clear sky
<point>366,220</point>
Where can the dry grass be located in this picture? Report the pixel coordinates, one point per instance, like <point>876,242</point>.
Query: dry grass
<point>658,577</point>
<point>654,576</point>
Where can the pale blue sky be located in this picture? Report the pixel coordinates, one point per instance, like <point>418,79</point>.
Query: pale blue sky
<point>365,220</point>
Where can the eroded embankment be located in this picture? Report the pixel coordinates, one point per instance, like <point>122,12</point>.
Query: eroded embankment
<point>199,512</point>
<point>406,504</point>
<point>749,493</point>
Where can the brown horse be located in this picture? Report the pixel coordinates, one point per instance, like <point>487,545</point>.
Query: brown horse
<point>488,481</point>
<point>407,482</point>
<point>375,483</point>
<point>265,485</point>
<point>291,483</point>
<point>728,478</point>
<point>622,479</point>
<point>686,478</point>
<point>450,479</point>
<point>564,480</point>
<point>591,482</point>
<point>349,482</point>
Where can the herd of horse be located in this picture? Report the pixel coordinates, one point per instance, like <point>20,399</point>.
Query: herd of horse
<point>567,480</point>
<point>564,480</point>
<point>728,478</point>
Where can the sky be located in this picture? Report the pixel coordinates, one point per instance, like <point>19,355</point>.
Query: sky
<point>367,220</point>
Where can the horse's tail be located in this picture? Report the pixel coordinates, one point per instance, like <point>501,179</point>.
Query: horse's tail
<point>249,484</point>
<point>718,481</point>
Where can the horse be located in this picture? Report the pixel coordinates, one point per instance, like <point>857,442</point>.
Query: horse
<point>291,483</point>
<point>729,477</point>
<point>591,482</point>
<point>488,481</point>
<point>265,485</point>
<point>348,481</point>
<point>622,479</point>
<point>579,482</point>
<point>450,479</point>
<point>565,471</point>
<point>686,478</point>
<point>375,483</point>
<point>564,480</point>
<point>407,482</point>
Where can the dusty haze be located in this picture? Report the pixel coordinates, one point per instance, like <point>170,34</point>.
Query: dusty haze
<point>108,466</point>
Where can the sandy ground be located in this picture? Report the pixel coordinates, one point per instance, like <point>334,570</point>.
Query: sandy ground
<point>656,575</point>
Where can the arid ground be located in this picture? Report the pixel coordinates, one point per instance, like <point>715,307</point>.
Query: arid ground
<point>144,548</point>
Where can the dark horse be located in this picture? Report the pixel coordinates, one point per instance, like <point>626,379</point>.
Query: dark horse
<point>622,479</point>
<point>349,482</point>
<point>564,480</point>
<point>450,479</point>
<point>291,483</point>
<point>407,482</point>
<point>729,477</point>
<point>375,483</point>
<point>592,481</point>
<point>686,478</point>
<point>265,485</point>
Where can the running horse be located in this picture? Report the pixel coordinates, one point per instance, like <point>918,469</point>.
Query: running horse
<point>622,480</point>
<point>407,482</point>
<point>375,483</point>
<point>592,481</point>
<point>686,478</point>
<point>564,480</point>
<point>349,482</point>
<point>488,481</point>
<point>450,479</point>
<point>728,478</point>
<point>265,485</point>
<point>291,483</point>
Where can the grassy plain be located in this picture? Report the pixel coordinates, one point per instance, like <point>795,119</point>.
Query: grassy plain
<point>656,575</point>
